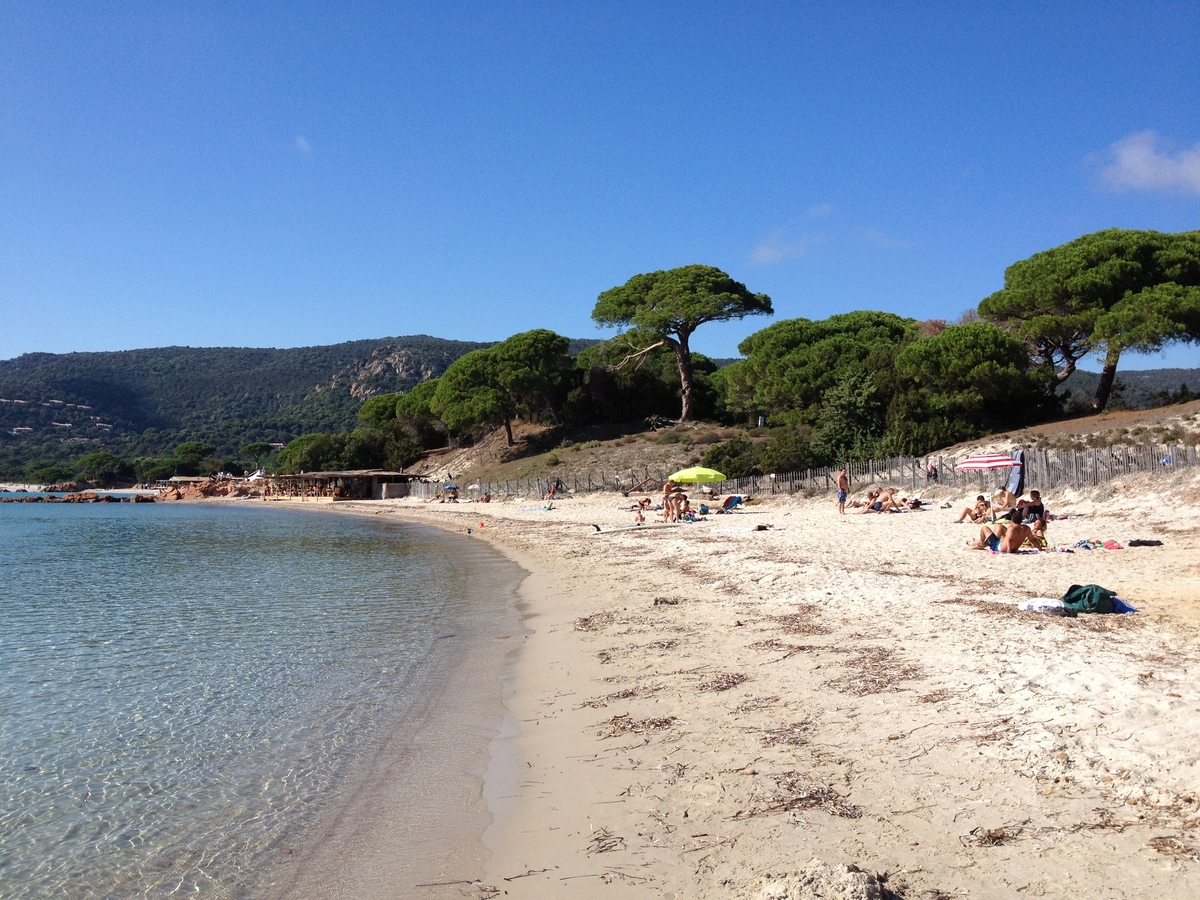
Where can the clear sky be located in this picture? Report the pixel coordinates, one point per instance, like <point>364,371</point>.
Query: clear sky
<point>286,174</point>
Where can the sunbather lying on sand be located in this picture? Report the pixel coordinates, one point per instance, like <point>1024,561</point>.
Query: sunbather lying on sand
<point>1004,537</point>
<point>881,503</point>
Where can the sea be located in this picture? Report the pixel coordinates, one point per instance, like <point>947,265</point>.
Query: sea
<point>244,701</point>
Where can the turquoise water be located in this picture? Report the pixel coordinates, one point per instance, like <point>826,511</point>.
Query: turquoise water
<point>188,692</point>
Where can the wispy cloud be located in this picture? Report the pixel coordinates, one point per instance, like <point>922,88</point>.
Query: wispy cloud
<point>792,241</point>
<point>886,241</point>
<point>772,250</point>
<point>303,144</point>
<point>1146,161</point>
<point>820,211</point>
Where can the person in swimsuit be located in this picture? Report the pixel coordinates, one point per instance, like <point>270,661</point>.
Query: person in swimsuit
<point>843,490</point>
<point>978,514</point>
<point>874,503</point>
<point>1003,502</point>
<point>668,503</point>
<point>1004,537</point>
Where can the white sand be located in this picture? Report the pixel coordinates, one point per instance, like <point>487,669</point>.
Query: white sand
<point>897,712</point>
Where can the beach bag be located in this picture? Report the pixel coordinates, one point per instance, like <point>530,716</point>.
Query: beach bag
<point>1088,598</point>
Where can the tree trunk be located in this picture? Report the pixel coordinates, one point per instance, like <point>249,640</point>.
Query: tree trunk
<point>1107,376</point>
<point>683,357</point>
<point>1067,371</point>
<point>508,431</point>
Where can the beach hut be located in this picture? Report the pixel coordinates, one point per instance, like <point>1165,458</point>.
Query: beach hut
<point>353,484</point>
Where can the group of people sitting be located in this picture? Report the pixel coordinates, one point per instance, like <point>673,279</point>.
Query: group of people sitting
<point>884,501</point>
<point>1008,523</point>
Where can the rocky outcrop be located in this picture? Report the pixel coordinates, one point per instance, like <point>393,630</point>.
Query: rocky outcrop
<point>79,497</point>
<point>208,490</point>
<point>389,369</point>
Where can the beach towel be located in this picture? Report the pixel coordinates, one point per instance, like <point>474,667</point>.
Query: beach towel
<point>1016,475</point>
<point>1041,604</point>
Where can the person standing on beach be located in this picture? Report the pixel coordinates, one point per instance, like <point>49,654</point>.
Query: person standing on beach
<point>843,489</point>
<point>668,500</point>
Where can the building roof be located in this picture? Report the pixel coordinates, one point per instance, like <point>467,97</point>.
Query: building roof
<point>351,473</point>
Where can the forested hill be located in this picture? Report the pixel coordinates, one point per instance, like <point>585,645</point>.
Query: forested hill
<point>143,402</point>
<point>1137,389</point>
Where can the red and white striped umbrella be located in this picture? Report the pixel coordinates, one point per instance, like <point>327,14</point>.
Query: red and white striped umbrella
<point>987,461</point>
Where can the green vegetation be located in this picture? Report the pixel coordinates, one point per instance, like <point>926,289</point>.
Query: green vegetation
<point>666,307</point>
<point>846,388</point>
<point>1106,292</point>
<point>527,375</point>
<point>141,404</point>
<point>789,366</point>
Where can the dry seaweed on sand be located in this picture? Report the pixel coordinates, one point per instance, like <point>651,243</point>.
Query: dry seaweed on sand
<point>619,725</point>
<point>992,837</point>
<point>783,646</point>
<point>609,654</point>
<point>1002,730</point>
<point>794,792</point>
<point>772,644</point>
<point>935,696</point>
<point>753,703</point>
<point>596,621</point>
<point>674,771</point>
<point>604,841</point>
<point>793,735</point>
<point>641,690</point>
<point>662,646</point>
<point>990,606</point>
<point>1086,622</point>
<point>723,682</point>
<point>1174,847</point>
<point>873,671</point>
<point>801,622</point>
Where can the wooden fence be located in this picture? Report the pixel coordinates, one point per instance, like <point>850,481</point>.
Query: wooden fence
<point>1044,469</point>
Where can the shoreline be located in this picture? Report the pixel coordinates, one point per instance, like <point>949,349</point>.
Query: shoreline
<point>368,848</point>
<point>700,711</point>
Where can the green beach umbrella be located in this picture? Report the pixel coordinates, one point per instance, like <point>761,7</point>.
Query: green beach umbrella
<point>697,475</point>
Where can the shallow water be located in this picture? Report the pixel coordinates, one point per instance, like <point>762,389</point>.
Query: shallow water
<point>190,691</point>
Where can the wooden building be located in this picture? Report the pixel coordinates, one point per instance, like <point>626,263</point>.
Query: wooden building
<point>356,484</point>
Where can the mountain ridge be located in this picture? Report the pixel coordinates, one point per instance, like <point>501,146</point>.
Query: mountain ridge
<point>142,402</point>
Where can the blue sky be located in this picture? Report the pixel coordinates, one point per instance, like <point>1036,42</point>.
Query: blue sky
<point>279,175</point>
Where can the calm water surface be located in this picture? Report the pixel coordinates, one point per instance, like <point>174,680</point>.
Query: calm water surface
<point>185,689</point>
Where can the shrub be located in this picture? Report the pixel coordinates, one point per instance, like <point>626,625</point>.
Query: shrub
<point>736,458</point>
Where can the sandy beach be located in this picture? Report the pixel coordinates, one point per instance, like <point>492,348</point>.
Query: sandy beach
<point>742,706</point>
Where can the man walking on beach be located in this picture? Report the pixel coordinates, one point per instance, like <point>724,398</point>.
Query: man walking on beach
<point>843,489</point>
